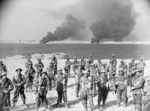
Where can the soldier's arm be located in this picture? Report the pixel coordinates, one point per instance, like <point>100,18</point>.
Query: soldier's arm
<point>42,65</point>
<point>11,86</point>
<point>14,81</point>
<point>23,81</point>
<point>140,85</point>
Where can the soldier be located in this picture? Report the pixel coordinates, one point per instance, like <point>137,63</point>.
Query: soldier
<point>113,60</point>
<point>86,91</point>
<point>30,72</point>
<point>54,59</point>
<point>102,87</point>
<point>68,66</point>
<point>75,65</point>
<point>78,75</point>
<point>28,63</point>
<point>42,91</point>
<point>2,67</point>
<point>7,87</point>
<point>99,65</point>
<point>50,74</point>
<point>138,85</point>
<point>141,65</point>
<point>59,85</point>
<point>94,75</point>
<point>65,81</point>
<point>19,82</point>
<point>88,66</point>
<point>122,88</point>
<point>83,62</point>
<point>146,99</point>
<point>91,59</point>
<point>39,68</point>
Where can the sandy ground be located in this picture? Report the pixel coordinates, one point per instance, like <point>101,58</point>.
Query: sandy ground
<point>75,104</point>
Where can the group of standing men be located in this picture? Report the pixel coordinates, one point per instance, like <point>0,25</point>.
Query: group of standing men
<point>91,79</point>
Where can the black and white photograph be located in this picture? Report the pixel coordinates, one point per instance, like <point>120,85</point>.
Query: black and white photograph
<point>75,55</point>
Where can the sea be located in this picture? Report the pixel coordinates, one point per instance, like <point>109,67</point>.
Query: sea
<point>99,51</point>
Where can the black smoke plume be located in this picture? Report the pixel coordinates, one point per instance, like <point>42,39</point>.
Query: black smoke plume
<point>115,25</point>
<point>69,29</point>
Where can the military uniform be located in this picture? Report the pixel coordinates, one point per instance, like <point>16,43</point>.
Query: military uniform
<point>86,91</point>
<point>29,78</point>
<point>83,63</point>
<point>137,90</point>
<point>78,80</point>
<point>6,88</point>
<point>19,83</point>
<point>68,66</point>
<point>94,75</point>
<point>2,67</point>
<point>54,60</point>
<point>64,96</point>
<point>39,68</point>
<point>75,65</point>
<point>59,86</point>
<point>122,88</point>
<point>51,75</point>
<point>102,87</point>
<point>42,91</point>
<point>88,66</point>
<point>28,63</point>
<point>146,98</point>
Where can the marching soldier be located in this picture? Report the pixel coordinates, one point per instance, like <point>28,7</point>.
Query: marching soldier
<point>19,82</point>
<point>94,75</point>
<point>59,85</point>
<point>137,89</point>
<point>122,88</point>
<point>68,66</point>
<point>78,75</point>
<point>50,74</point>
<point>42,91</point>
<point>30,72</point>
<point>102,87</point>
<point>2,67</point>
<point>6,87</point>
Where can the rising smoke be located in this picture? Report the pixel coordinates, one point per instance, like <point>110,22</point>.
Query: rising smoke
<point>70,28</point>
<point>105,20</point>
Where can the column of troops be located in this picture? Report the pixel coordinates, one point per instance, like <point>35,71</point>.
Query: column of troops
<point>91,79</point>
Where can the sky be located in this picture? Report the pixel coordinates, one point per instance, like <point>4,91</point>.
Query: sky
<point>32,19</point>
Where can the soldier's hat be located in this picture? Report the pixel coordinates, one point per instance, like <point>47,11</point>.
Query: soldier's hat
<point>75,57</point>
<point>19,69</point>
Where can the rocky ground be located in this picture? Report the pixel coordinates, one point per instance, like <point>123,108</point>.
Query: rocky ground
<point>75,104</point>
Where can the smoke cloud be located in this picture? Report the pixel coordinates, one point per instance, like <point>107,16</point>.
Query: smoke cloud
<point>69,29</point>
<point>115,25</point>
<point>99,20</point>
